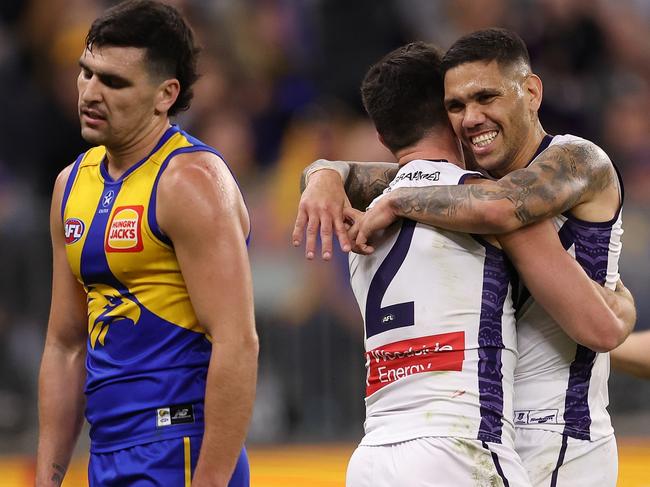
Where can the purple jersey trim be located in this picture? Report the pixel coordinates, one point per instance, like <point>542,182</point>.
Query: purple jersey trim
<point>591,247</point>
<point>197,146</point>
<point>68,184</point>
<point>468,175</point>
<point>543,145</point>
<point>104,171</point>
<point>490,342</point>
<point>560,461</point>
<point>151,210</point>
<point>497,465</point>
<point>577,418</point>
<point>605,224</point>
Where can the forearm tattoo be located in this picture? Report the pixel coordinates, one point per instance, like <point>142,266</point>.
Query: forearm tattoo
<point>366,181</point>
<point>446,202</point>
<point>557,181</point>
<point>57,474</point>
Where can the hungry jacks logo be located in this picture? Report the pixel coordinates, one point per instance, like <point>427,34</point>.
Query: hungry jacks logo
<point>125,230</point>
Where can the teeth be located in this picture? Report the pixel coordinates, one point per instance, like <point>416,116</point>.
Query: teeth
<point>484,139</point>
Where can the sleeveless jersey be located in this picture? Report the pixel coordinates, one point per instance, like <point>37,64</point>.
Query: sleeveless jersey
<point>147,356</point>
<point>559,385</point>
<point>439,328</point>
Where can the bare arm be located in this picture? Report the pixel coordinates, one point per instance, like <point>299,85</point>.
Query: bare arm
<point>324,185</point>
<point>621,302</point>
<point>562,177</point>
<point>560,285</point>
<point>201,210</point>
<point>363,181</point>
<point>632,356</point>
<point>61,399</point>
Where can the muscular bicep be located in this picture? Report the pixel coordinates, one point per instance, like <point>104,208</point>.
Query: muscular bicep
<point>561,178</point>
<point>68,310</point>
<point>367,180</point>
<point>201,210</point>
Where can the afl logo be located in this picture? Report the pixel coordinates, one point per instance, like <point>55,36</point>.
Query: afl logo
<point>74,230</point>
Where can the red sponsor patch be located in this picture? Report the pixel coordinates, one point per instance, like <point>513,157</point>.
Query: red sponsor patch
<point>125,230</point>
<point>74,230</point>
<point>394,361</point>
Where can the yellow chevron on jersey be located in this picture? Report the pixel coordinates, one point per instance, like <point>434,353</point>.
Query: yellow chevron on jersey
<point>137,254</point>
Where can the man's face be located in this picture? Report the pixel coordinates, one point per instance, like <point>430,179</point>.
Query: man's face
<point>117,95</point>
<point>490,112</point>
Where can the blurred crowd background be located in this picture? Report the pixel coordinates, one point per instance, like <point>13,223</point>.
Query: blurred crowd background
<point>279,88</point>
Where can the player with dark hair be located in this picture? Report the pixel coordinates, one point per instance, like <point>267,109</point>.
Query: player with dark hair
<point>564,433</point>
<point>152,308</point>
<point>437,306</point>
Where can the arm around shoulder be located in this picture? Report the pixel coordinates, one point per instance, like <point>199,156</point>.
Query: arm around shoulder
<point>563,289</point>
<point>562,177</point>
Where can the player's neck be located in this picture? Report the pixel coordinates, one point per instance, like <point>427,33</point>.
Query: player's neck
<point>528,148</point>
<point>121,158</point>
<point>432,147</point>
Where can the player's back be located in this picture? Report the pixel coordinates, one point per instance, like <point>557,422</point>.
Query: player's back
<point>439,328</point>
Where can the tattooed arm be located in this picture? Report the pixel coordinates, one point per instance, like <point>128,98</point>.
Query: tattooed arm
<point>324,185</point>
<point>563,177</point>
<point>367,180</point>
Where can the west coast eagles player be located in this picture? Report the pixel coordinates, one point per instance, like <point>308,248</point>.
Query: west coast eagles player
<point>151,311</point>
<point>563,431</point>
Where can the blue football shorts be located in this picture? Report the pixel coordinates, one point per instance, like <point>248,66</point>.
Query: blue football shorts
<point>168,463</point>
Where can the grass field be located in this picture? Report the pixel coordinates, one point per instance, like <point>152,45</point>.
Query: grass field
<point>317,466</point>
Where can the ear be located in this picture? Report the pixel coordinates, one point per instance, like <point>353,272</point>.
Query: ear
<point>534,91</point>
<point>166,95</point>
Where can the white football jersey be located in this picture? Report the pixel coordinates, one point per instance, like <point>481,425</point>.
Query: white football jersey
<point>559,385</point>
<point>439,328</point>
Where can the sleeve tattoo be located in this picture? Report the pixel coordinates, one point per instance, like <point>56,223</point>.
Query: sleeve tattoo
<point>560,178</point>
<point>368,180</point>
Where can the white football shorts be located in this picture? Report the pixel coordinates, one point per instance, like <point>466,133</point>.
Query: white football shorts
<point>556,460</point>
<point>436,461</point>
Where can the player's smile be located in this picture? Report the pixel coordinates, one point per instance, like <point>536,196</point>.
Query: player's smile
<point>483,142</point>
<point>489,109</point>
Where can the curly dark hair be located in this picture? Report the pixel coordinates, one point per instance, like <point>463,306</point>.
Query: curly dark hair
<point>161,30</point>
<point>403,94</point>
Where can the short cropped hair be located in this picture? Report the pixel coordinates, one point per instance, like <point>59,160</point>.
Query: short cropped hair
<point>403,94</point>
<point>160,29</point>
<point>494,44</point>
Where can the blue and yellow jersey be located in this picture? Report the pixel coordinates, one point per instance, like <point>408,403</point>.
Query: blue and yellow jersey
<point>147,354</point>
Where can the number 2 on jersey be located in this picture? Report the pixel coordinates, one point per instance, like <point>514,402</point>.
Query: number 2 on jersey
<point>398,315</point>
